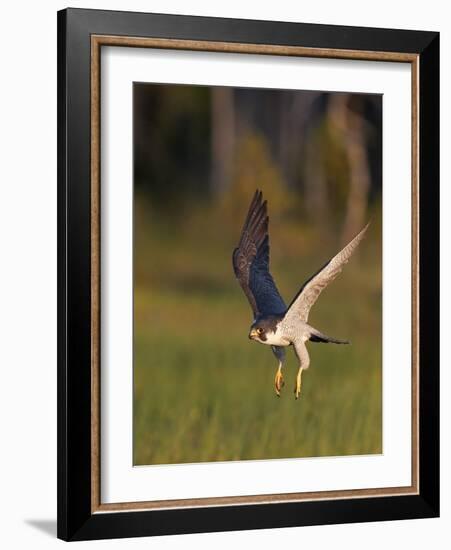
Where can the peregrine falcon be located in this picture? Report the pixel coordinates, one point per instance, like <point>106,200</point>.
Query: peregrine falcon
<point>275,324</point>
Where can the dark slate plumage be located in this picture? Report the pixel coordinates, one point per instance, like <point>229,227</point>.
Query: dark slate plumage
<point>251,262</point>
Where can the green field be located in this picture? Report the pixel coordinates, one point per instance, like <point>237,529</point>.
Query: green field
<point>203,391</point>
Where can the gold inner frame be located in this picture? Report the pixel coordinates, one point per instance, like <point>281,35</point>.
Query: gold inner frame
<point>97,41</point>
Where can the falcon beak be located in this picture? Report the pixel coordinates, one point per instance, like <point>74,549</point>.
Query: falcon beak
<point>253,334</point>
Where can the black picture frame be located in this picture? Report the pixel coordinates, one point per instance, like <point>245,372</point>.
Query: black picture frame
<point>76,520</point>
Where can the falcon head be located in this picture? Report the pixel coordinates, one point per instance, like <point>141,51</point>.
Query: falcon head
<point>264,329</point>
<point>258,333</point>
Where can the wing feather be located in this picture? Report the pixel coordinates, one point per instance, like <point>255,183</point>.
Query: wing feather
<point>251,261</point>
<point>309,293</point>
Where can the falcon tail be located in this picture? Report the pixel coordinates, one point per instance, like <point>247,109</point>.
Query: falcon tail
<point>317,336</point>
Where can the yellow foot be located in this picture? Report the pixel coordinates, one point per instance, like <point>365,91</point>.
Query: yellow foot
<point>278,381</point>
<point>297,388</point>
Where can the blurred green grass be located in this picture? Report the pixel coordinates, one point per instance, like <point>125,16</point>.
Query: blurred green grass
<point>202,390</point>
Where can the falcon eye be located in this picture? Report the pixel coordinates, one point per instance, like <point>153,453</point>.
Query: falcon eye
<point>259,330</point>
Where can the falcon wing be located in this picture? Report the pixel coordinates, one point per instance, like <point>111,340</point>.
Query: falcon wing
<point>251,262</point>
<point>309,293</point>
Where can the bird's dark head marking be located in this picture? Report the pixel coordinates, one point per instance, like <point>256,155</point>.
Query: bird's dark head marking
<point>257,333</point>
<point>262,326</point>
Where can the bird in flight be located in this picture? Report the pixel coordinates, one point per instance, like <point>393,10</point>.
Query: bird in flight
<point>275,324</point>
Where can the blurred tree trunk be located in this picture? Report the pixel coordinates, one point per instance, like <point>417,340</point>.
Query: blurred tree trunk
<point>296,110</point>
<point>354,131</point>
<point>359,183</point>
<point>316,192</point>
<point>222,137</point>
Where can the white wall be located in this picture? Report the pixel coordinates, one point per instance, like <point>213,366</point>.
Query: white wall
<point>28,270</point>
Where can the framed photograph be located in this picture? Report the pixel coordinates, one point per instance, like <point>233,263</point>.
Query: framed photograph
<point>233,196</point>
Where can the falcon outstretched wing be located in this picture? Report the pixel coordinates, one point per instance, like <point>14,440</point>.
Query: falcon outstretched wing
<point>251,262</point>
<point>309,293</point>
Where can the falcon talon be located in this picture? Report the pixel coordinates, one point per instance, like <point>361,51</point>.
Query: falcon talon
<point>275,324</point>
<point>278,381</point>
